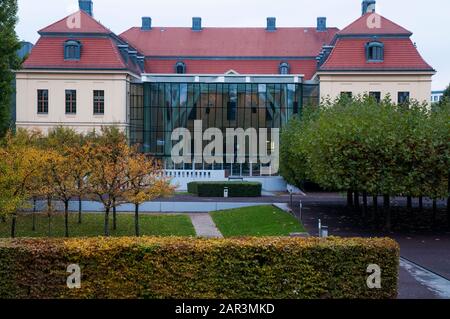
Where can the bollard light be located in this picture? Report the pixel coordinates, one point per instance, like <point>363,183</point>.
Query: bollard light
<point>324,232</point>
<point>320,228</point>
<point>300,214</point>
<point>225,192</point>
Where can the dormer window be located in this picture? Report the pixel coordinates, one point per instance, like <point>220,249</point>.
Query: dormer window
<point>284,68</point>
<point>375,52</point>
<point>180,68</point>
<point>72,50</point>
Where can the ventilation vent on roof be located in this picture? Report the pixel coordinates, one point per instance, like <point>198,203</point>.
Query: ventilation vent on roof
<point>146,23</point>
<point>271,24</point>
<point>87,6</point>
<point>321,24</point>
<point>368,6</point>
<point>197,24</point>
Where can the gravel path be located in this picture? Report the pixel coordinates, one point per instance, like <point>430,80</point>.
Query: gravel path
<point>205,226</point>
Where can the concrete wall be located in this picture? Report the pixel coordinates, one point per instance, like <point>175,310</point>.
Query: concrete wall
<point>419,85</point>
<point>116,100</point>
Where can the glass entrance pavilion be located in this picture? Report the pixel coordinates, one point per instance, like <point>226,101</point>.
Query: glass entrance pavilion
<point>223,101</point>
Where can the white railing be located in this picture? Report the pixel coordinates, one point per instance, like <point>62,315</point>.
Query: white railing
<point>180,178</point>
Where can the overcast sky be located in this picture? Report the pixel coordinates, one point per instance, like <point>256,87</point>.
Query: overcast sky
<point>426,19</point>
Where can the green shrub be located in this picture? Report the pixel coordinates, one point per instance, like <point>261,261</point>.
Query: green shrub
<point>235,189</point>
<point>151,267</point>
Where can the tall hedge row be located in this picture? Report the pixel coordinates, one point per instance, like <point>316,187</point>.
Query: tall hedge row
<point>361,145</point>
<point>151,267</point>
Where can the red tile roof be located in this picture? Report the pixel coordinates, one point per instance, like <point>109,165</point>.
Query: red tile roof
<point>399,54</point>
<point>368,25</point>
<point>96,53</point>
<point>78,22</point>
<point>166,66</point>
<point>229,42</point>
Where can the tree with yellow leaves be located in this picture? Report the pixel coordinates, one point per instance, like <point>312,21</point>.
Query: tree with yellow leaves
<point>145,182</point>
<point>61,181</point>
<point>18,166</point>
<point>107,179</point>
<point>79,157</point>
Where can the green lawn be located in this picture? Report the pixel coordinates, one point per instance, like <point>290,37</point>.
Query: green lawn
<point>150,225</point>
<point>256,221</point>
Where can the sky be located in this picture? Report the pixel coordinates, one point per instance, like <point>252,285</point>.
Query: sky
<point>426,19</point>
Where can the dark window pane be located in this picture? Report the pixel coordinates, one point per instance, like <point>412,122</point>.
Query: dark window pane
<point>71,101</point>
<point>376,96</point>
<point>99,102</point>
<point>295,107</point>
<point>42,101</point>
<point>403,97</point>
<point>347,94</point>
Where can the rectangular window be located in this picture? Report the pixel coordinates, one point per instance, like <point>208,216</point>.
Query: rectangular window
<point>71,101</point>
<point>193,113</point>
<point>403,97</point>
<point>231,111</point>
<point>347,94</point>
<point>295,111</point>
<point>42,101</point>
<point>99,102</point>
<point>376,96</point>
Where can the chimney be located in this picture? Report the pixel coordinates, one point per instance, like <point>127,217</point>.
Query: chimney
<point>271,24</point>
<point>197,24</point>
<point>86,6</point>
<point>321,24</point>
<point>146,23</point>
<point>368,6</point>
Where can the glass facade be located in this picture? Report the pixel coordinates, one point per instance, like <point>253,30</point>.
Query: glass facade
<point>168,106</point>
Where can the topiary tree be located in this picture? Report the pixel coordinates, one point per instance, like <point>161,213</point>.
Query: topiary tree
<point>374,148</point>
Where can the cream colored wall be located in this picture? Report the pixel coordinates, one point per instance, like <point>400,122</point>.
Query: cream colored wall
<point>419,85</point>
<point>116,101</point>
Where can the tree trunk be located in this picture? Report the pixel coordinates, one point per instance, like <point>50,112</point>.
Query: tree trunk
<point>66,219</point>
<point>364,206</point>
<point>375,207</point>
<point>136,219</point>
<point>434,212</point>
<point>114,215</point>
<point>421,203</point>
<point>49,215</point>
<point>349,198</point>
<point>107,222</point>
<point>448,212</point>
<point>80,203</point>
<point>357,206</point>
<point>33,226</point>
<point>448,203</point>
<point>387,211</point>
<point>13,226</point>
<point>409,203</point>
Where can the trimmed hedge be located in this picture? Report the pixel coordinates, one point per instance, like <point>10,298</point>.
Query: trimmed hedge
<point>235,189</point>
<point>151,267</point>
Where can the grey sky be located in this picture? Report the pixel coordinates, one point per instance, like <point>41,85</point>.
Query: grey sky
<point>426,19</point>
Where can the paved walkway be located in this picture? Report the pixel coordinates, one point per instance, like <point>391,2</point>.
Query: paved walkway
<point>204,226</point>
<point>425,263</point>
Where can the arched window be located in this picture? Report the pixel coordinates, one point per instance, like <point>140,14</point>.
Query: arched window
<point>284,68</point>
<point>72,50</point>
<point>375,51</point>
<point>180,68</point>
